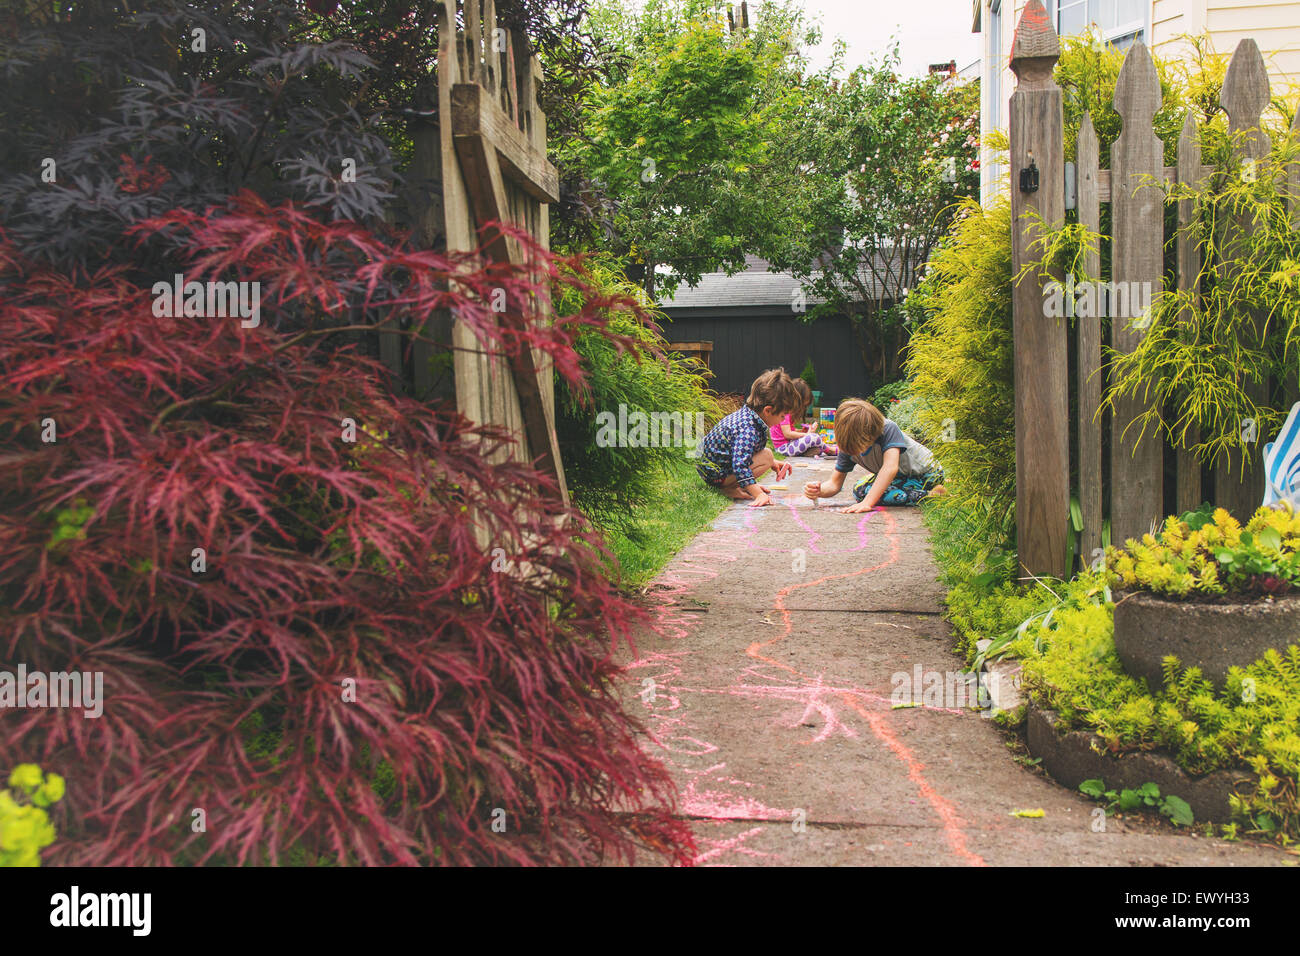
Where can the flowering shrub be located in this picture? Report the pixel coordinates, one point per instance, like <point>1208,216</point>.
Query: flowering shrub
<point>388,650</point>
<point>1213,555</point>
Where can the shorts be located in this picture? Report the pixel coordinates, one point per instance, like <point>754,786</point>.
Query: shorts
<point>904,489</point>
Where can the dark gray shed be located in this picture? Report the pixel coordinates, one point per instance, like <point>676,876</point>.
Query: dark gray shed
<point>752,321</point>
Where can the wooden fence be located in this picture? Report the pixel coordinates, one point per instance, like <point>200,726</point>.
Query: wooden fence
<point>1043,389</point>
<point>483,158</point>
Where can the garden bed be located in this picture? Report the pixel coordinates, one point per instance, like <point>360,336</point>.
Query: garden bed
<point>1071,758</point>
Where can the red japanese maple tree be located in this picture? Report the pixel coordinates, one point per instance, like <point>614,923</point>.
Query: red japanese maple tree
<point>313,649</point>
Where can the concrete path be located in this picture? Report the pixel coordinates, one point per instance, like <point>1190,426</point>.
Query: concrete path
<point>781,634</point>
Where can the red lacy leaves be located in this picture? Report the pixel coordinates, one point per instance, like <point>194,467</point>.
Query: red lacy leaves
<point>325,561</point>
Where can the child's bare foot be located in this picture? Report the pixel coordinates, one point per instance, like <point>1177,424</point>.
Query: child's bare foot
<point>937,491</point>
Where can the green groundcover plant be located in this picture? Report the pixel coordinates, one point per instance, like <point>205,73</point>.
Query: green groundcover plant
<point>1253,723</point>
<point>25,827</point>
<point>1139,798</point>
<point>1063,634</point>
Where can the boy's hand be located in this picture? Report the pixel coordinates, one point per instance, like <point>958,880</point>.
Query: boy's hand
<point>857,509</point>
<point>762,499</point>
<point>812,489</point>
<point>783,470</point>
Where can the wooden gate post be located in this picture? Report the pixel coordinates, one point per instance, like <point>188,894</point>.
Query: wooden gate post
<point>1137,266</point>
<point>1239,477</point>
<point>1088,351</point>
<point>1291,387</point>
<point>1041,370</point>
<point>1189,494</point>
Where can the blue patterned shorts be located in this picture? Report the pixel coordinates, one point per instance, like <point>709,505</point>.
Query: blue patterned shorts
<point>903,490</point>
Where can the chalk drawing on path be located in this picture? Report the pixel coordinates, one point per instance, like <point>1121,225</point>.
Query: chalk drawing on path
<point>830,705</point>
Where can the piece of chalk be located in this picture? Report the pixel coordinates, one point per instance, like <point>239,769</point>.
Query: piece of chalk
<point>779,487</point>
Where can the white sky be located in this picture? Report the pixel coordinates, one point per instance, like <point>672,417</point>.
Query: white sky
<point>929,31</point>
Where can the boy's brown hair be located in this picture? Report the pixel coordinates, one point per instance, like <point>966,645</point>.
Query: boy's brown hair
<point>774,387</point>
<point>858,424</point>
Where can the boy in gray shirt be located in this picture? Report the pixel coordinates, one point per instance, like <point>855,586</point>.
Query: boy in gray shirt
<point>902,470</point>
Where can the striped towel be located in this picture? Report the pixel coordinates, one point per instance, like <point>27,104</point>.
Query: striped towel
<point>1282,463</point>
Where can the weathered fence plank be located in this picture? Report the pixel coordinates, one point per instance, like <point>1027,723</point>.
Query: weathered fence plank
<point>473,43</point>
<point>1137,263</point>
<point>1041,354</point>
<point>1291,390</point>
<point>1239,477</point>
<point>1293,175</point>
<point>1088,352</point>
<point>1188,252</point>
<point>429,223</point>
<point>1170,174</point>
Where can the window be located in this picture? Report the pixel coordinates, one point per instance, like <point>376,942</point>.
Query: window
<point>1119,21</point>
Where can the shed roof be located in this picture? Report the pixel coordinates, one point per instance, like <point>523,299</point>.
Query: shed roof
<point>756,285</point>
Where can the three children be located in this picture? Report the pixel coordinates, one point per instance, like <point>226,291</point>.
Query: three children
<point>734,454</point>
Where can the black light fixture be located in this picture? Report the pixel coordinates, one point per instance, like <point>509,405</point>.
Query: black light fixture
<point>1029,176</point>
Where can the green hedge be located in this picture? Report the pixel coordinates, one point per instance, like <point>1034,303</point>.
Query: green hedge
<point>608,483</point>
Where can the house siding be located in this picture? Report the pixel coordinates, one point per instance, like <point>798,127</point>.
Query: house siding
<point>1275,26</point>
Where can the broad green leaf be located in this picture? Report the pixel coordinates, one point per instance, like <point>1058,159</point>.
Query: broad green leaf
<point>1093,788</point>
<point>1177,810</point>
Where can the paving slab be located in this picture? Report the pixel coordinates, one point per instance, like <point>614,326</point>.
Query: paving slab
<point>812,712</point>
<point>771,843</point>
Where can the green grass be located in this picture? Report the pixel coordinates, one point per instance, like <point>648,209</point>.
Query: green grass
<point>680,508</point>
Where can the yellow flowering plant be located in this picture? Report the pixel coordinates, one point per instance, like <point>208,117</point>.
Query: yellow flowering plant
<point>1204,554</point>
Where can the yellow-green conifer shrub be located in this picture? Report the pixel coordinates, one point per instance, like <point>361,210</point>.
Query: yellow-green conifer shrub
<point>960,363</point>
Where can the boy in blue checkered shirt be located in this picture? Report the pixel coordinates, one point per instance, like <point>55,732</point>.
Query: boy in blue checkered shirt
<point>734,454</point>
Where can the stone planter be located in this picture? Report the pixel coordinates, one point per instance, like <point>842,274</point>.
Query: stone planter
<point>1212,637</point>
<point>1071,758</point>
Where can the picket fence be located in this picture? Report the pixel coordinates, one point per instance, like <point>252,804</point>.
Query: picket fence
<point>1134,186</point>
